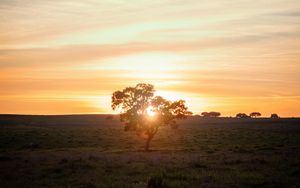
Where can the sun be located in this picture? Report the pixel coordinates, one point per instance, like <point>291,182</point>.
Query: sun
<point>150,112</point>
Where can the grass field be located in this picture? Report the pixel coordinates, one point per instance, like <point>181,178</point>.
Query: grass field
<point>94,151</point>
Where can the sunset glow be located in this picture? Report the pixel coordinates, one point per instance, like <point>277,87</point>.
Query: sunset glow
<point>150,111</point>
<point>67,57</point>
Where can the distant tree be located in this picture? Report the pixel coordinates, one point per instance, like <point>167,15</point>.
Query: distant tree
<point>205,114</point>
<point>255,114</point>
<point>275,116</point>
<point>211,114</point>
<point>144,113</point>
<point>242,115</point>
<point>214,114</point>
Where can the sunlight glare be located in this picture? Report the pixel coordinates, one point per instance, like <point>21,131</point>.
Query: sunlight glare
<point>150,111</point>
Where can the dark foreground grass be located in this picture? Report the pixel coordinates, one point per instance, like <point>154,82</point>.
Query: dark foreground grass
<point>212,155</point>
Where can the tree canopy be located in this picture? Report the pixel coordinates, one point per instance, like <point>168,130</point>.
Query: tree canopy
<point>275,116</point>
<point>211,114</point>
<point>242,115</point>
<point>143,112</point>
<point>255,114</point>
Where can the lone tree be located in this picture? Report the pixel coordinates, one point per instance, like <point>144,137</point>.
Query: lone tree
<point>255,114</point>
<point>144,113</point>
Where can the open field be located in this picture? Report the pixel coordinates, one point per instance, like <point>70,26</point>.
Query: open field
<point>94,151</point>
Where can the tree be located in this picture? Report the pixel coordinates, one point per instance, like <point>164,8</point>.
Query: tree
<point>242,115</point>
<point>205,114</point>
<point>275,116</point>
<point>255,114</point>
<point>210,114</point>
<point>214,114</point>
<point>144,113</point>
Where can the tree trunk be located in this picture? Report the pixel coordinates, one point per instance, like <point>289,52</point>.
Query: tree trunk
<point>151,134</point>
<point>148,142</point>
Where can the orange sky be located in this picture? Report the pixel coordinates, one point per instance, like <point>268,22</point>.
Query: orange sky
<point>65,57</point>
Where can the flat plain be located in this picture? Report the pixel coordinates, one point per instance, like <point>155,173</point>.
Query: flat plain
<point>95,151</point>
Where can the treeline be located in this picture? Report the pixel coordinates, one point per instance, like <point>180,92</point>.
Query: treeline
<point>239,115</point>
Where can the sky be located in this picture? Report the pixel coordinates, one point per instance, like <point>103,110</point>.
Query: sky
<point>69,56</point>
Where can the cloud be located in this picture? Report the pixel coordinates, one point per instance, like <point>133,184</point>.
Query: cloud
<point>82,53</point>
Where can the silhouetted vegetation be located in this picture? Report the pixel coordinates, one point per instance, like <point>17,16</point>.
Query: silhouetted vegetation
<point>242,115</point>
<point>274,116</point>
<point>255,114</point>
<point>211,114</point>
<point>144,113</point>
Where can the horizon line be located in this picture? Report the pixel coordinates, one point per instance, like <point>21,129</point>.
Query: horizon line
<point>78,114</point>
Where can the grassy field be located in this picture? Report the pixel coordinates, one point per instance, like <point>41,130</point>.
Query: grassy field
<point>94,151</point>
